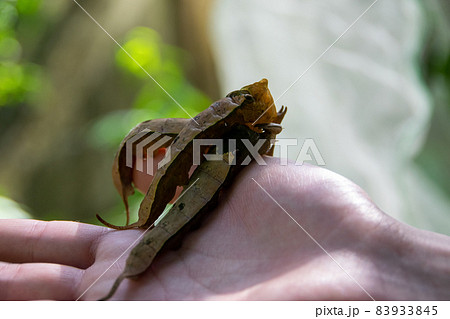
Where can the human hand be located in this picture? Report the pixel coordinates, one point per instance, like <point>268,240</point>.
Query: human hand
<point>248,248</point>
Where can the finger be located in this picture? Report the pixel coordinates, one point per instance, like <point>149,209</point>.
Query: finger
<point>59,242</point>
<point>38,281</point>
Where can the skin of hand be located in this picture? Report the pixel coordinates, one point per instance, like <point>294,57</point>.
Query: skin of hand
<point>248,248</point>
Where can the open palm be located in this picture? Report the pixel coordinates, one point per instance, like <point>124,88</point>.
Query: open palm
<point>248,248</point>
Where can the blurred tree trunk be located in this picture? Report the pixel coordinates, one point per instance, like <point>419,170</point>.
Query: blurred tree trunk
<point>194,37</point>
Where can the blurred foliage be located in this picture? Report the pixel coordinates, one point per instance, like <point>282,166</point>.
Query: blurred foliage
<point>434,157</point>
<point>18,79</point>
<point>11,209</point>
<point>29,35</point>
<point>163,65</point>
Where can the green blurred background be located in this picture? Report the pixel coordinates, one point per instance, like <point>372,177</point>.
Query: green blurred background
<point>68,95</point>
